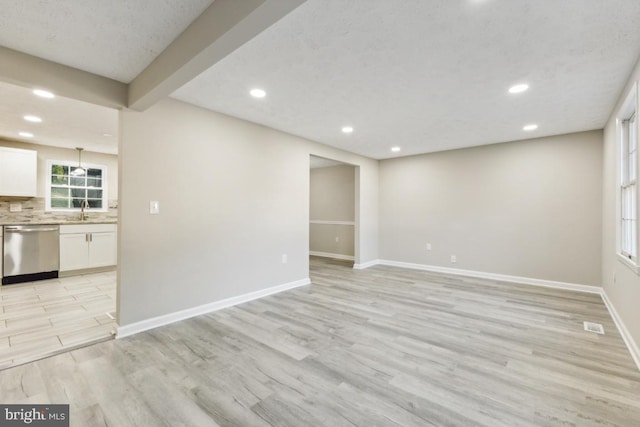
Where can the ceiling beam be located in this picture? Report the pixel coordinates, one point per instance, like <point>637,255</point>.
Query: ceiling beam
<point>29,71</point>
<point>222,28</point>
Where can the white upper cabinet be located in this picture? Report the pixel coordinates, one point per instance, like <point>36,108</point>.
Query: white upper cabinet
<point>18,172</point>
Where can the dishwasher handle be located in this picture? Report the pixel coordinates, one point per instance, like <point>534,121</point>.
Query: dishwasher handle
<point>28,230</point>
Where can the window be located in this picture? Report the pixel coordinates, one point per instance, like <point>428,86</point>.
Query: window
<point>628,190</point>
<point>67,189</point>
<point>628,208</point>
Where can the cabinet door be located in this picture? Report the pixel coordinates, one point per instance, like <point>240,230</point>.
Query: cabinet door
<point>74,251</point>
<point>18,172</point>
<point>102,249</point>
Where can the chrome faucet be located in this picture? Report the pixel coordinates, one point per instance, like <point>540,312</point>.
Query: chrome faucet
<point>83,206</point>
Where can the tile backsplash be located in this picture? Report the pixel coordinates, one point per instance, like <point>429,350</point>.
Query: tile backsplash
<point>33,211</point>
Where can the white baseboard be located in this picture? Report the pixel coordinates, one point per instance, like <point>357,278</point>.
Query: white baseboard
<point>330,255</point>
<point>364,265</point>
<point>494,276</point>
<point>626,336</point>
<point>154,322</point>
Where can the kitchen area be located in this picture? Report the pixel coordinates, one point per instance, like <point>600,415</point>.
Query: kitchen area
<point>58,225</point>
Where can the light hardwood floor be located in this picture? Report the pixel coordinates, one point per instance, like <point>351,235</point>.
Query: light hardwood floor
<point>377,347</point>
<point>46,317</point>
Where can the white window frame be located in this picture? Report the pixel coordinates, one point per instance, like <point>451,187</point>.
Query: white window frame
<point>627,181</point>
<point>71,164</point>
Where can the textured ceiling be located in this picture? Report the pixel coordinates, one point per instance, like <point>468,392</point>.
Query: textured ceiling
<point>65,122</point>
<point>422,75</point>
<point>429,75</point>
<point>111,38</point>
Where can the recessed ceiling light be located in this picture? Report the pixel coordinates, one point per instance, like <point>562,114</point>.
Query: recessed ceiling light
<point>395,149</point>
<point>258,93</point>
<point>347,129</point>
<point>529,128</point>
<point>43,93</point>
<point>519,88</point>
<point>33,119</point>
<point>25,134</point>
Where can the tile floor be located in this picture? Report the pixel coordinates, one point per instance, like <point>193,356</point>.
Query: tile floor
<point>38,319</point>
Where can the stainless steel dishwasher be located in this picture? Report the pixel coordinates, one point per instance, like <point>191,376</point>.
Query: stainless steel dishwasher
<point>31,252</point>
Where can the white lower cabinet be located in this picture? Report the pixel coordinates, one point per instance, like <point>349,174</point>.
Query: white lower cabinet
<point>102,249</point>
<point>74,251</point>
<point>87,246</point>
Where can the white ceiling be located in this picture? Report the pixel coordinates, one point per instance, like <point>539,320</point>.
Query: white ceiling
<point>429,75</point>
<point>422,75</point>
<point>111,38</point>
<point>114,38</point>
<point>65,122</point>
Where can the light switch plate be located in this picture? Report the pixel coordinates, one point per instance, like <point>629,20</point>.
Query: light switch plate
<point>154,207</point>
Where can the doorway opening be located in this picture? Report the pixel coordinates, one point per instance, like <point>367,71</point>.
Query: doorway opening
<point>64,174</point>
<point>332,209</point>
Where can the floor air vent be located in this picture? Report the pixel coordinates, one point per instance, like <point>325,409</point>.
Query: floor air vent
<point>593,327</point>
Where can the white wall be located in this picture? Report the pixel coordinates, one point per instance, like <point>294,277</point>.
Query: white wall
<point>46,152</point>
<point>624,291</point>
<point>332,193</point>
<point>332,198</point>
<point>234,197</point>
<point>529,208</point>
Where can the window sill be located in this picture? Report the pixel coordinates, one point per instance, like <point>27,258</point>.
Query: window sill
<point>629,263</point>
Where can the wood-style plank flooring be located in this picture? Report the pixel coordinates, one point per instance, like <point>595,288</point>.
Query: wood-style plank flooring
<point>377,347</point>
<point>38,319</point>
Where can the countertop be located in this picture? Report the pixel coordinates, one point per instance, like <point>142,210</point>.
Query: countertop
<point>65,222</point>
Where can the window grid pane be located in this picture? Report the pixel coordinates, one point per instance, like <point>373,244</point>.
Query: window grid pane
<point>633,247</point>
<point>628,223</point>
<point>68,191</point>
<point>633,141</point>
<point>94,182</point>
<point>94,173</point>
<point>632,167</point>
<point>624,153</point>
<point>59,203</point>
<point>78,181</point>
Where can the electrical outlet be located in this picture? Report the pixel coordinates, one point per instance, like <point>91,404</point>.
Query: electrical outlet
<point>154,207</point>
<point>284,258</point>
<point>337,239</point>
<point>454,259</point>
<point>428,246</point>
<point>15,207</point>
